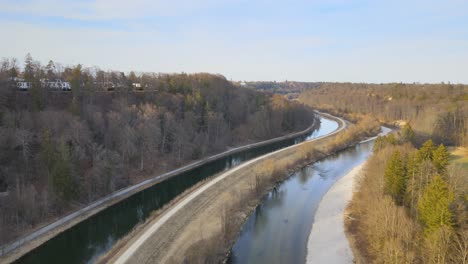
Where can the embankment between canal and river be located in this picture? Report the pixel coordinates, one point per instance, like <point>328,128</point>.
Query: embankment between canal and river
<point>23,245</point>
<point>204,225</point>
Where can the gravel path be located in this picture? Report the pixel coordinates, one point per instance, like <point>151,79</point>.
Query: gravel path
<point>176,230</point>
<point>14,250</point>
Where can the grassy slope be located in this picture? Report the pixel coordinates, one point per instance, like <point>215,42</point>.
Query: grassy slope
<point>459,156</point>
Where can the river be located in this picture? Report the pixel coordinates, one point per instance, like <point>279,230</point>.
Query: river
<point>86,241</point>
<point>278,229</point>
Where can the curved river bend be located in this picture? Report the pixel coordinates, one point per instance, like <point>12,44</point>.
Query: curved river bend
<point>278,229</point>
<point>89,239</point>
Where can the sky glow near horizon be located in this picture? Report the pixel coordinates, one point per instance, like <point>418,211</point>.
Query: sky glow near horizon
<point>316,40</point>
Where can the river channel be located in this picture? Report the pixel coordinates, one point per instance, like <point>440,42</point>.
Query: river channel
<point>86,241</point>
<point>277,231</point>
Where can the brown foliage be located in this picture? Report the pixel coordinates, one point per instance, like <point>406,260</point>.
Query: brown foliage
<point>383,232</point>
<point>120,137</point>
<point>365,127</point>
<point>263,177</point>
<point>437,110</point>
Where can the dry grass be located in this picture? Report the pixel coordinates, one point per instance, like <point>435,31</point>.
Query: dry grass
<point>208,226</point>
<point>122,243</point>
<point>459,156</point>
<point>380,231</point>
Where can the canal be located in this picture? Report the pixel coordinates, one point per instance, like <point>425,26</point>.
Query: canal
<point>86,241</point>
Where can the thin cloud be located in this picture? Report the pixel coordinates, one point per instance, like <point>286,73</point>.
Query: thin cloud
<point>109,9</point>
<point>316,40</point>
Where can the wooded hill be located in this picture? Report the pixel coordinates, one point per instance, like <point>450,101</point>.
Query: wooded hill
<point>437,111</point>
<point>411,204</point>
<point>62,150</point>
<point>286,87</point>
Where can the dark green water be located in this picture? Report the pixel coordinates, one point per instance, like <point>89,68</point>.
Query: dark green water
<point>278,229</point>
<point>93,237</point>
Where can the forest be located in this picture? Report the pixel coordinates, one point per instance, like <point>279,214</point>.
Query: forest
<point>411,201</point>
<point>61,150</point>
<point>410,205</point>
<point>286,87</point>
<point>436,111</point>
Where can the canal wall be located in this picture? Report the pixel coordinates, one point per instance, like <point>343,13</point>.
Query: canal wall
<point>204,225</point>
<point>20,247</point>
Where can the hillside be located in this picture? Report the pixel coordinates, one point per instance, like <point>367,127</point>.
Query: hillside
<point>61,150</point>
<point>436,111</point>
<point>410,203</point>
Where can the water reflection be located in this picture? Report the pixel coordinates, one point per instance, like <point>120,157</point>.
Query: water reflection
<point>87,240</point>
<point>304,175</point>
<point>278,230</point>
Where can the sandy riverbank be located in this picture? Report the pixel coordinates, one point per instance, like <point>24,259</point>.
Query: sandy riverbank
<point>327,240</point>
<point>191,230</point>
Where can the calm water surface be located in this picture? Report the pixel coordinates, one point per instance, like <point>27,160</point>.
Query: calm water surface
<point>278,229</point>
<point>93,237</point>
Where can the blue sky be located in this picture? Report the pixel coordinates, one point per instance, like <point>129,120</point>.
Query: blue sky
<point>316,40</point>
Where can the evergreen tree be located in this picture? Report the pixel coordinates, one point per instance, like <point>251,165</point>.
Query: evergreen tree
<point>407,133</point>
<point>440,159</point>
<point>395,177</point>
<point>378,144</point>
<point>61,174</point>
<point>37,94</point>
<point>382,142</point>
<point>47,153</point>
<point>75,83</point>
<point>13,72</point>
<point>75,80</point>
<point>434,206</point>
<point>411,190</point>
<point>132,77</point>
<point>32,75</point>
<point>28,72</point>
<point>50,70</point>
<point>172,86</point>
<point>390,139</point>
<point>426,151</point>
